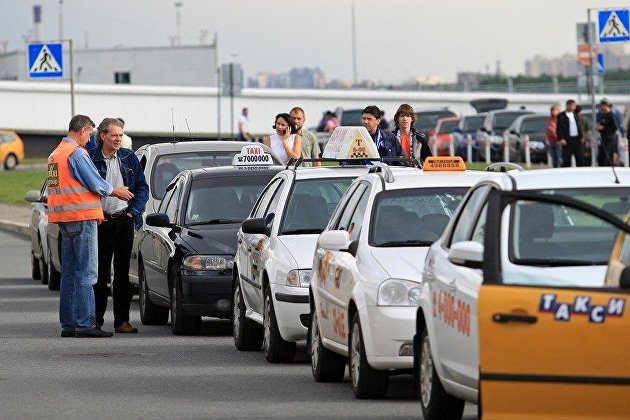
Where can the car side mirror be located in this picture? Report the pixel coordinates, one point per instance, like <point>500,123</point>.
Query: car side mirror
<point>334,240</point>
<point>158,220</point>
<point>466,254</point>
<point>624,278</point>
<point>33,196</point>
<point>256,225</point>
<point>513,132</point>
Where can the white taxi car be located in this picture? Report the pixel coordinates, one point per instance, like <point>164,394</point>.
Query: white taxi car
<point>514,307</point>
<point>367,266</point>
<point>272,269</point>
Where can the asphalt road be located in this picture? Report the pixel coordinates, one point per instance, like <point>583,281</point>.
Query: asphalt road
<point>153,374</point>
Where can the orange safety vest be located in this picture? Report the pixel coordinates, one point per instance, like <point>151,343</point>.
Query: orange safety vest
<point>68,199</point>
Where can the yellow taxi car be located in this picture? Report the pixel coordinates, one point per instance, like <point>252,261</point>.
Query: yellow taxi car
<point>11,149</point>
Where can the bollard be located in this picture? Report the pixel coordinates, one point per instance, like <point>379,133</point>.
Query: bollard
<point>469,157</point>
<point>451,145</point>
<point>506,149</point>
<point>528,157</point>
<point>487,147</point>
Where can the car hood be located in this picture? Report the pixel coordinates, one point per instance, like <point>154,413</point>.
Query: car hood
<point>211,239</point>
<point>402,262</point>
<point>301,247</point>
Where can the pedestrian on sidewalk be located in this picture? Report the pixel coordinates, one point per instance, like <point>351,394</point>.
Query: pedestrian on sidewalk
<point>74,192</point>
<point>121,168</point>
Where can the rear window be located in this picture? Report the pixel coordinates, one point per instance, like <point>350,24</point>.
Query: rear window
<point>351,117</point>
<point>448,126</point>
<point>427,120</point>
<point>504,119</point>
<point>534,125</point>
<point>472,123</point>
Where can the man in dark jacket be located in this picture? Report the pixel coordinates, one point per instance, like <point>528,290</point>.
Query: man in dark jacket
<point>607,154</point>
<point>570,135</point>
<point>386,143</point>
<point>119,167</point>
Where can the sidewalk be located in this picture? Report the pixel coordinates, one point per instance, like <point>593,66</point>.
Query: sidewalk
<point>15,219</point>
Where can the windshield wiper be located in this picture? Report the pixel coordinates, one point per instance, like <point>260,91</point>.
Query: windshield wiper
<point>301,231</point>
<point>410,242</point>
<point>557,262</point>
<point>214,222</point>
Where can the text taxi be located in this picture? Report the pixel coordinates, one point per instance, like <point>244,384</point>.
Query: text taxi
<point>367,270</point>
<point>514,311</point>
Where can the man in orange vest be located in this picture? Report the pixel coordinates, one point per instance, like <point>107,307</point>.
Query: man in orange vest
<point>74,202</point>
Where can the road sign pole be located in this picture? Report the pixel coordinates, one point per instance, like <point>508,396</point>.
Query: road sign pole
<point>591,88</point>
<point>71,80</point>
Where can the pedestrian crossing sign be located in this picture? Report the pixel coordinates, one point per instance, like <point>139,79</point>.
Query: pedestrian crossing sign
<point>614,25</point>
<point>45,61</point>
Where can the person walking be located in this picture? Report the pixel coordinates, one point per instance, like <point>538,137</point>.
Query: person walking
<point>285,142</point>
<point>121,168</point>
<point>386,142</point>
<point>412,142</point>
<point>608,153</point>
<point>555,148</point>
<point>310,146</point>
<point>74,192</point>
<point>569,135</point>
<point>243,126</point>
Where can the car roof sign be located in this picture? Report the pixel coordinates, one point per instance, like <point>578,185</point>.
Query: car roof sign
<point>253,155</point>
<point>348,143</point>
<point>443,163</point>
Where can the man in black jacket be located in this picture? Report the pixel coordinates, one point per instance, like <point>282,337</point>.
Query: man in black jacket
<point>570,135</point>
<point>608,151</point>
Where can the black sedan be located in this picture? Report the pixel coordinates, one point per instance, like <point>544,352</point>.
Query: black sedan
<point>186,250</point>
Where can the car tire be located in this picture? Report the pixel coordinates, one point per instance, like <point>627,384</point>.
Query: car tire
<point>248,336</point>
<point>326,366</point>
<point>35,271</point>
<point>10,162</point>
<point>276,349</point>
<point>435,402</point>
<point>150,313</point>
<point>367,382</point>
<point>54,276</point>
<point>181,322</point>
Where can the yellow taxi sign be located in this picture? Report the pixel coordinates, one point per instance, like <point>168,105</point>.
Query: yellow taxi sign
<point>347,143</point>
<point>444,163</point>
<point>252,155</point>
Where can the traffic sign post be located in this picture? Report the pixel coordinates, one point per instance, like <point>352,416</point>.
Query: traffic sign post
<point>600,64</point>
<point>614,25</point>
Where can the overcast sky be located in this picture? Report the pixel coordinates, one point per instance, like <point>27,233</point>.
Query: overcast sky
<point>396,39</point>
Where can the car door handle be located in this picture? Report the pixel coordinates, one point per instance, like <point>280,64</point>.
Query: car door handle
<point>504,318</point>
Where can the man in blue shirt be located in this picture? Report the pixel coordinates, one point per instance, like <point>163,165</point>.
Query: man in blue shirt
<point>386,143</point>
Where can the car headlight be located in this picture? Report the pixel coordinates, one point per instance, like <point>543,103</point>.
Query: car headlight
<point>536,145</point>
<point>207,263</point>
<point>299,278</point>
<point>398,292</point>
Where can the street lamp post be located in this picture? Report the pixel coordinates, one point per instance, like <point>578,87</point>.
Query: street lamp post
<point>178,18</point>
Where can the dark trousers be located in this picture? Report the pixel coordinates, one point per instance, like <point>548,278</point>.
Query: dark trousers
<point>115,239</point>
<point>574,147</point>
<point>606,150</point>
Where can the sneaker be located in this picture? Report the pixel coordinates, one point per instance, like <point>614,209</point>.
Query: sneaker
<point>67,333</point>
<point>92,332</point>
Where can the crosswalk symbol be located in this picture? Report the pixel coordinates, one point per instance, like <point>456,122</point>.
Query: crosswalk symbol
<point>614,26</point>
<point>45,60</point>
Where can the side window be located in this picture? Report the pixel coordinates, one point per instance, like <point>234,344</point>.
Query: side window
<point>274,201</point>
<point>354,228</point>
<point>468,215</point>
<point>165,201</point>
<point>479,233</point>
<point>344,221</point>
<point>265,198</point>
<point>171,208</point>
<point>624,255</point>
<point>342,204</point>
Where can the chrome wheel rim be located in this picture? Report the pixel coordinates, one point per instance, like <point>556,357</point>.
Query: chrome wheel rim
<point>236,313</point>
<point>11,162</point>
<point>267,324</point>
<point>426,372</point>
<point>314,342</point>
<point>355,354</point>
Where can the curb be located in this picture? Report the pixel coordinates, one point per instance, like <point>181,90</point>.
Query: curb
<point>21,229</point>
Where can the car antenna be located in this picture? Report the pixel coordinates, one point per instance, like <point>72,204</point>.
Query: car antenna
<point>189,133</point>
<point>173,120</point>
<point>612,165</point>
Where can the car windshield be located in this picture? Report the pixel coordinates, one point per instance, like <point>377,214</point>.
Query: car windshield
<point>311,204</point>
<point>448,126</point>
<point>167,166</point>
<point>472,123</point>
<point>412,217</point>
<point>224,199</point>
<point>552,235</point>
<point>503,120</point>
<point>425,121</point>
<point>534,125</point>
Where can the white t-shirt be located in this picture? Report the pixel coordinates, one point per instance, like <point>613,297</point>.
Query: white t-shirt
<point>276,145</point>
<point>573,128</point>
<point>243,122</point>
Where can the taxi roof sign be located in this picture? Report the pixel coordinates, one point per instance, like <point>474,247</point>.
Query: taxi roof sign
<point>252,155</point>
<point>347,143</point>
<point>444,163</point>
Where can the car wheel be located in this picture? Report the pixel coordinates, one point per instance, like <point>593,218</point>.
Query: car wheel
<point>54,276</point>
<point>276,349</point>
<point>35,271</point>
<point>10,162</point>
<point>367,383</point>
<point>181,322</point>
<point>248,336</point>
<point>435,402</point>
<point>150,314</point>
<point>326,365</point>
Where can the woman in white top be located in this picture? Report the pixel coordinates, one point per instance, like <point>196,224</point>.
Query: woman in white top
<point>285,142</point>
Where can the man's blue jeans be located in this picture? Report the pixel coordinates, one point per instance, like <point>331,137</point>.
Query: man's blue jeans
<point>79,272</point>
